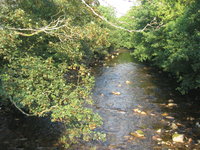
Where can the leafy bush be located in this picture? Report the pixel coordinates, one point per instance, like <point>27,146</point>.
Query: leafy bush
<point>44,56</point>
<point>172,44</point>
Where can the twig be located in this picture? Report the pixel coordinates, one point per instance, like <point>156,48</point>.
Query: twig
<point>47,110</point>
<point>53,26</point>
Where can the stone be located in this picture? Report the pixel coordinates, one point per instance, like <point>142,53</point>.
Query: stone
<point>170,100</point>
<point>153,114</point>
<point>156,138</point>
<point>128,82</point>
<point>190,140</point>
<point>119,85</point>
<point>159,131</point>
<point>198,124</point>
<point>140,133</point>
<point>116,93</point>
<point>169,117</point>
<point>165,114</point>
<point>179,138</point>
<point>137,110</point>
<point>171,105</point>
<point>174,126</point>
<point>143,113</point>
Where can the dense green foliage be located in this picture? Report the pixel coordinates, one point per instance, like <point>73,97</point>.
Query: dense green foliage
<point>46,47</point>
<point>172,41</point>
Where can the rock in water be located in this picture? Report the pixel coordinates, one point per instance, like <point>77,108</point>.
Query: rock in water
<point>179,138</point>
<point>116,93</point>
<point>119,85</point>
<point>138,134</point>
<point>159,131</point>
<point>128,82</point>
<point>172,105</point>
<point>174,126</point>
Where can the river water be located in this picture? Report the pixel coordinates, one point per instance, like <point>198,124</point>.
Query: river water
<point>133,98</point>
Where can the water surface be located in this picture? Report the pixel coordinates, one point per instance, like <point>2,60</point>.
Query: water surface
<point>130,96</point>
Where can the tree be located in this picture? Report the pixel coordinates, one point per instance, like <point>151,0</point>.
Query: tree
<point>45,56</point>
<point>172,44</point>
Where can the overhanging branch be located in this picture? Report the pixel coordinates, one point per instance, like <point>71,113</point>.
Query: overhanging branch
<point>116,26</point>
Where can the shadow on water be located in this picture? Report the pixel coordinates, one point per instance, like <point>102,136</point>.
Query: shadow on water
<point>18,132</point>
<point>132,97</point>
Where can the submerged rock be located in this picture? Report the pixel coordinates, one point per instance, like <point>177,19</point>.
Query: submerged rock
<point>159,131</point>
<point>138,133</point>
<point>179,138</point>
<point>119,85</point>
<point>139,111</point>
<point>170,100</point>
<point>171,105</point>
<point>156,138</point>
<point>174,126</point>
<point>116,93</point>
<point>128,82</point>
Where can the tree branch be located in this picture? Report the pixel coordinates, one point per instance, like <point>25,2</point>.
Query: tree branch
<point>53,26</point>
<point>62,22</point>
<point>40,113</point>
<point>19,108</point>
<point>114,25</point>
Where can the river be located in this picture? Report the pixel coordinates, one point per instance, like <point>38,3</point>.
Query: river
<point>139,108</point>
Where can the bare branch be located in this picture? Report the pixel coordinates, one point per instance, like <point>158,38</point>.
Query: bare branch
<point>19,108</point>
<point>40,114</point>
<point>47,110</point>
<point>50,28</point>
<point>114,25</point>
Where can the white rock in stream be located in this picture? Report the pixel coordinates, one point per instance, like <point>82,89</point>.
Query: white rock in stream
<point>171,105</point>
<point>198,124</point>
<point>170,100</point>
<point>178,138</point>
<point>174,126</point>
